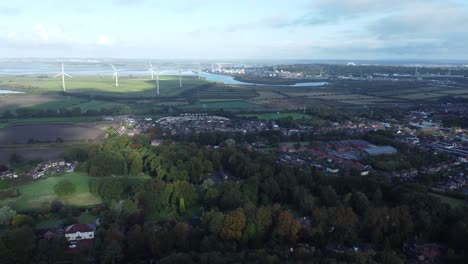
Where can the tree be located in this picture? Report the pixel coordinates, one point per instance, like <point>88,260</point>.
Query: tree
<point>136,162</point>
<point>181,231</point>
<point>110,189</point>
<point>214,221</point>
<point>22,220</point>
<point>64,188</point>
<point>6,214</point>
<point>328,196</point>
<point>20,244</point>
<point>16,159</point>
<point>234,224</point>
<point>264,219</point>
<point>359,202</point>
<point>106,163</point>
<point>339,223</point>
<point>113,253</point>
<point>136,242</point>
<point>287,227</point>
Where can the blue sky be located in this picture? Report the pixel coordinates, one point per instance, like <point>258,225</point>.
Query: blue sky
<point>241,29</point>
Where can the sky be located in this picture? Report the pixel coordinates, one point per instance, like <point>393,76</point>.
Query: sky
<point>235,30</point>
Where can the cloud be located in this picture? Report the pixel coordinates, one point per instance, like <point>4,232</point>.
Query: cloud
<point>129,2</point>
<point>105,40</point>
<point>10,11</point>
<point>40,35</point>
<point>423,19</point>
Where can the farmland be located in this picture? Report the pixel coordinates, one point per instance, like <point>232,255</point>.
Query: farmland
<point>97,96</point>
<point>101,86</point>
<point>274,116</point>
<point>23,133</point>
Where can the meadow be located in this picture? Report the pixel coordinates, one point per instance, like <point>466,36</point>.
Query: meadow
<point>39,194</point>
<point>93,93</point>
<point>102,85</point>
<point>275,116</point>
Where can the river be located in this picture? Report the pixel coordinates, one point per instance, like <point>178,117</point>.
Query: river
<point>226,79</point>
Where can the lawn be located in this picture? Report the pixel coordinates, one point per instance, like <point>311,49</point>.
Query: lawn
<point>274,116</point>
<point>453,202</point>
<point>40,194</point>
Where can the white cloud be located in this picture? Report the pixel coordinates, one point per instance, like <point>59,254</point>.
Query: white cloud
<point>40,35</point>
<point>105,40</point>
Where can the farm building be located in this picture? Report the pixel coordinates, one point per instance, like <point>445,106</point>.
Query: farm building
<point>80,235</point>
<point>379,150</point>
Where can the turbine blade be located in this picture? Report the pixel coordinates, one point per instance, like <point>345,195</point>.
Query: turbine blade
<point>57,75</point>
<point>113,67</point>
<point>67,75</point>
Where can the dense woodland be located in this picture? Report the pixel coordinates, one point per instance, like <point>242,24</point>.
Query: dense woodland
<point>233,205</point>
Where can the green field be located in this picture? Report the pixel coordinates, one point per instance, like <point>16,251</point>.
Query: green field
<point>70,103</point>
<point>39,194</point>
<point>222,105</point>
<point>79,119</point>
<point>453,202</point>
<point>103,86</point>
<point>274,116</point>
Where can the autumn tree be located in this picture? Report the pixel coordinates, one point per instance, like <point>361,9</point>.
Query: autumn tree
<point>287,228</point>
<point>234,224</point>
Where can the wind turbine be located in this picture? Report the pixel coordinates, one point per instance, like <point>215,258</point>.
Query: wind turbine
<point>116,75</point>
<point>63,74</point>
<point>199,71</point>
<point>157,83</point>
<point>151,70</point>
<point>180,78</point>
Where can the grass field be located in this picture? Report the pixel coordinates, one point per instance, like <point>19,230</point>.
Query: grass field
<point>222,105</point>
<point>7,122</point>
<point>135,86</point>
<point>70,103</point>
<point>40,194</point>
<point>453,202</point>
<point>274,116</point>
<point>94,93</point>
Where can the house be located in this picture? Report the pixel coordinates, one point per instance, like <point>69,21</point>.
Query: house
<point>379,150</point>
<point>156,142</point>
<point>80,235</point>
<point>423,252</point>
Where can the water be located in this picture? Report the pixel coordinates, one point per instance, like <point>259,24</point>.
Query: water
<point>9,92</point>
<point>226,79</point>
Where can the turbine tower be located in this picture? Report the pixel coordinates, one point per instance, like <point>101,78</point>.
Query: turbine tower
<point>180,78</point>
<point>199,72</point>
<point>157,83</point>
<point>151,70</point>
<point>63,74</point>
<point>116,75</point>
